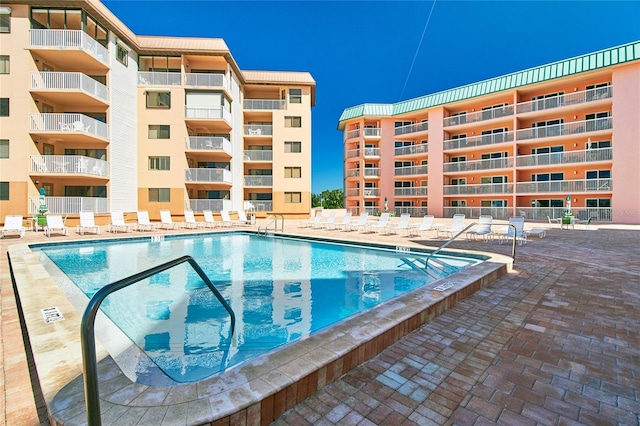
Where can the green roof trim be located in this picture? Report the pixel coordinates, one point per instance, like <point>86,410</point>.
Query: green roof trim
<point>584,63</point>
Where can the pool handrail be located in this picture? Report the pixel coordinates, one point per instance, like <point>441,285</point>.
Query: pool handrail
<point>450,240</point>
<point>274,218</point>
<point>87,335</point>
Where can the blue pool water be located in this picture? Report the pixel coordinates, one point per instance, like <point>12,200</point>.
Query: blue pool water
<point>281,289</point>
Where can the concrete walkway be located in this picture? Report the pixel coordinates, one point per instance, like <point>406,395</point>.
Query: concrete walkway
<point>554,342</point>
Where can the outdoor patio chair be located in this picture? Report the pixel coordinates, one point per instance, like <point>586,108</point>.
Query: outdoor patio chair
<point>55,224</point>
<point>242,218</point>
<point>190,220</point>
<point>311,222</point>
<point>402,225</point>
<point>519,234</point>
<point>483,229</point>
<point>346,220</point>
<point>166,222</point>
<point>209,220</point>
<point>144,223</point>
<point>456,226</point>
<point>226,219</point>
<point>117,222</point>
<point>380,225</point>
<point>361,222</point>
<point>87,221</point>
<point>12,223</point>
<point>328,222</point>
<point>425,225</point>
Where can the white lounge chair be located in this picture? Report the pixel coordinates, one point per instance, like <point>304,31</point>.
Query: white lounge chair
<point>380,225</point>
<point>402,225</point>
<point>456,226</point>
<point>242,218</point>
<point>328,222</point>
<point>360,223</point>
<point>519,234</point>
<point>425,225</point>
<point>166,222</point>
<point>87,221</point>
<point>226,219</point>
<point>483,228</point>
<point>190,220</point>
<point>311,222</point>
<point>144,223</point>
<point>12,223</point>
<point>209,220</point>
<point>55,224</point>
<point>117,222</point>
<point>346,220</point>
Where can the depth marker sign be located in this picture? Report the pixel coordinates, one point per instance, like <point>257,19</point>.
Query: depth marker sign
<point>51,315</point>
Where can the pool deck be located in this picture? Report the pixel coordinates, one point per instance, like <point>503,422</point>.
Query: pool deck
<point>555,341</point>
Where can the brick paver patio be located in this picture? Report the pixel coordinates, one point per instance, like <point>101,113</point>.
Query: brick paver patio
<point>555,342</point>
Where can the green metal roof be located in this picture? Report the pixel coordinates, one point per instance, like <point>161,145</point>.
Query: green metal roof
<point>589,62</point>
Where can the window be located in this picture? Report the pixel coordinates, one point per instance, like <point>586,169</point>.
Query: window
<point>543,177</point>
<point>159,131</point>
<point>4,148</point>
<point>292,197</point>
<point>459,159</point>
<point>548,203</point>
<point>159,163</point>
<point>4,107</point>
<point>292,172</point>
<point>295,96</point>
<point>4,64</point>
<point>122,54</point>
<point>293,146</point>
<point>292,121</point>
<point>598,144</point>
<point>158,99</point>
<point>598,121</point>
<point>159,195</point>
<point>4,191</point>
<point>460,136</point>
<point>598,91</point>
<point>458,203</point>
<point>5,19</point>
<point>493,203</point>
<point>494,179</point>
<point>495,155</point>
<point>458,181</point>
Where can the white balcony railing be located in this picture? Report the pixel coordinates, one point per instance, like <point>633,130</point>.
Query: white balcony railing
<point>411,170</point>
<point>372,152</point>
<point>353,172</point>
<point>205,80</point>
<point>415,191</point>
<point>68,164</point>
<point>153,78</point>
<point>208,175</point>
<point>258,155</point>
<point>568,99</point>
<point>371,132</point>
<point>66,39</point>
<point>573,128</point>
<point>258,180</point>
<point>258,129</point>
<point>484,188</point>
<point>68,81</point>
<point>474,117</point>
<point>411,128</point>
<point>353,134</point>
<point>566,157</point>
<point>69,205</point>
<point>487,164</point>
<point>502,213</point>
<point>371,171</point>
<point>421,148</point>
<point>67,122</point>
<point>352,153</point>
<point>598,214</point>
<point>565,186</point>
<point>353,192</point>
<point>481,140</point>
<point>371,192</point>
<point>208,143</point>
<point>414,211</point>
<point>258,205</point>
<point>215,205</point>
<point>207,113</point>
<point>264,104</point>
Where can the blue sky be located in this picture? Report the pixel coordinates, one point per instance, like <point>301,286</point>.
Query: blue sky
<point>371,51</point>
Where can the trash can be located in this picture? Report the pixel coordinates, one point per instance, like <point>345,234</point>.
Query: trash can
<point>252,218</point>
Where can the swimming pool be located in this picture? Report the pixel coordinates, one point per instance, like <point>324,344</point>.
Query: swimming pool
<point>281,289</point>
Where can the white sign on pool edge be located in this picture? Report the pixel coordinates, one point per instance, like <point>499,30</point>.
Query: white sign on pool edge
<point>51,315</point>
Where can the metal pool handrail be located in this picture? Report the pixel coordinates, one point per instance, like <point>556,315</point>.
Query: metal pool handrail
<point>88,341</point>
<point>450,240</point>
<point>274,218</point>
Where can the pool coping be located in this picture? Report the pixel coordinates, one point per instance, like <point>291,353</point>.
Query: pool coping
<point>255,392</point>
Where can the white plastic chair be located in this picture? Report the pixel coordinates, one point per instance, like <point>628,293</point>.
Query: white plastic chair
<point>190,220</point>
<point>144,223</point>
<point>12,223</point>
<point>380,225</point>
<point>456,226</point>
<point>166,222</point>
<point>360,223</point>
<point>209,220</point>
<point>425,225</point>
<point>519,234</point>
<point>87,221</point>
<point>402,225</point>
<point>55,224</point>
<point>483,228</point>
<point>117,222</point>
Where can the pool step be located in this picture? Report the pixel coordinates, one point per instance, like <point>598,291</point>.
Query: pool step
<point>435,267</point>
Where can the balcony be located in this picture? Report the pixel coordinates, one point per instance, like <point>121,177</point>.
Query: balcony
<point>150,78</point>
<point>564,129</point>
<point>414,211</point>
<point>258,130</point>
<point>477,116</point>
<point>73,48</point>
<point>502,213</point>
<point>411,170</point>
<point>47,165</point>
<point>600,214</point>
<point>258,155</point>
<point>471,166</point>
<point>214,115</point>
<point>353,134</point>
<point>353,192</point>
<point>481,189</point>
<point>570,99</point>
<point>207,175</point>
<point>73,127</point>
<point>208,144</point>
<point>371,132</point>
<point>69,88</point>
<point>264,104</point>
<point>371,192</point>
<point>215,205</point>
<point>371,172</point>
<point>259,181</point>
<point>411,128</point>
<point>205,80</point>
<point>481,140</point>
<point>259,205</point>
<point>70,205</point>
<point>414,191</point>
<point>353,173</point>
<point>371,152</point>
<point>569,157</point>
<point>565,186</point>
<point>421,148</point>
<point>353,153</point>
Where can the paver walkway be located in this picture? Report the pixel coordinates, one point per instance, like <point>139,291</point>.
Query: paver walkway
<point>555,342</point>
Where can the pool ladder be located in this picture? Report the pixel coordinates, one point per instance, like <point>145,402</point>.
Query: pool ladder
<point>274,222</point>
<point>88,338</point>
